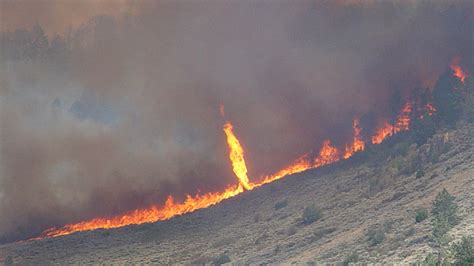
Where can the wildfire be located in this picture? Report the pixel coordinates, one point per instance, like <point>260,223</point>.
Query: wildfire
<point>402,123</point>
<point>147,215</point>
<point>357,144</point>
<point>458,71</point>
<point>299,165</point>
<point>327,154</point>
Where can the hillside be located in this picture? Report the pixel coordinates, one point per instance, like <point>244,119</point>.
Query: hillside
<point>377,189</point>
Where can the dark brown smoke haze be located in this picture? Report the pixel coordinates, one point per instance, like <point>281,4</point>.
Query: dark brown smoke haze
<point>133,114</point>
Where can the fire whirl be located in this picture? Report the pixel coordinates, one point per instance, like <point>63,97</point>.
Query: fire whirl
<point>327,154</point>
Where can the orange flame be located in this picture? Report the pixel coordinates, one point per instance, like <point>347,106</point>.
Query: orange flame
<point>327,155</point>
<point>402,123</point>
<point>170,208</point>
<point>147,215</point>
<point>458,71</point>
<point>301,164</point>
<point>357,143</point>
<point>236,156</point>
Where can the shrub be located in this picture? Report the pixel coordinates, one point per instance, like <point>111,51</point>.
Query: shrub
<point>223,258</point>
<point>322,233</point>
<point>431,260</point>
<point>9,261</point>
<point>281,204</point>
<point>420,174</point>
<point>444,215</point>
<point>463,252</point>
<point>353,258</point>
<point>421,215</point>
<point>311,214</point>
<point>376,236</point>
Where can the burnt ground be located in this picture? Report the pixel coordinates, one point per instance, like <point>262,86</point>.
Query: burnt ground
<point>368,191</point>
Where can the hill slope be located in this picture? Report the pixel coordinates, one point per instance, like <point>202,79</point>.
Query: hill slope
<point>369,191</point>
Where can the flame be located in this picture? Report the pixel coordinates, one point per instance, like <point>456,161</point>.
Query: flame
<point>147,215</point>
<point>357,143</point>
<point>236,156</point>
<point>458,71</point>
<point>328,154</point>
<point>299,165</point>
<point>383,132</point>
<point>402,123</point>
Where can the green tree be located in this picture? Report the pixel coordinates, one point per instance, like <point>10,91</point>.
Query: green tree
<point>444,212</point>
<point>447,99</point>
<point>423,129</point>
<point>9,261</point>
<point>38,45</point>
<point>463,251</point>
<point>443,218</point>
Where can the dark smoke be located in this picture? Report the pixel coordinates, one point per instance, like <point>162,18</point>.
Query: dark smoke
<point>129,111</point>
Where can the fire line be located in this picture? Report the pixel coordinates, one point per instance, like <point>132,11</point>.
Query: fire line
<point>327,154</point>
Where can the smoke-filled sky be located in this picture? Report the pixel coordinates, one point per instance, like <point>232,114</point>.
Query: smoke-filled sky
<point>132,112</point>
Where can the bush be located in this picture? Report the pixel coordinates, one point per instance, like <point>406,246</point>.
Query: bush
<point>281,204</point>
<point>443,214</point>
<point>9,261</point>
<point>421,215</point>
<point>376,236</point>
<point>420,174</point>
<point>353,258</point>
<point>311,214</point>
<point>463,252</point>
<point>322,233</point>
<point>431,260</point>
<point>223,258</point>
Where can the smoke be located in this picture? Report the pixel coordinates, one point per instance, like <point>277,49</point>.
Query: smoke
<point>134,115</point>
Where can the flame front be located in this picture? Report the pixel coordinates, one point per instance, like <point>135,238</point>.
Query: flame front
<point>402,123</point>
<point>327,154</point>
<point>236,156</point>
<point>299,165</point>
<point>147,215</point>
<point>357,143</point>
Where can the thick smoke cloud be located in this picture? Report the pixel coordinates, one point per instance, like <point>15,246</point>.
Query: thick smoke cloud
<point>133,115</point>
